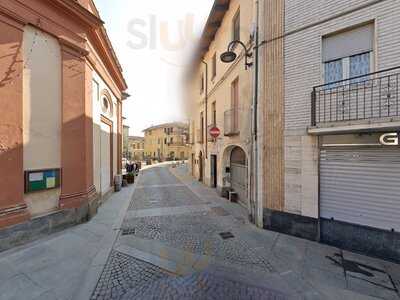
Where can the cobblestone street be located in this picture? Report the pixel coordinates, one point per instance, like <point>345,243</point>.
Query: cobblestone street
<point>180,240</point>
<point>170,237</point>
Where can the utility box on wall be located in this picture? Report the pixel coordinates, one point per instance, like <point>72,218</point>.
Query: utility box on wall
<point>41,180</point>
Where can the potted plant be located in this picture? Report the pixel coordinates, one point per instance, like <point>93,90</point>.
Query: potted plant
<point>130,177</point>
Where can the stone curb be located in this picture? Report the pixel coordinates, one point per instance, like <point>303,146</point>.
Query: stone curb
<point>94,272</point>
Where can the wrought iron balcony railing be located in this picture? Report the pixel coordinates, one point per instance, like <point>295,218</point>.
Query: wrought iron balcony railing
<point>231,122</point>
<point>371,96</point>
<point>177,144</point>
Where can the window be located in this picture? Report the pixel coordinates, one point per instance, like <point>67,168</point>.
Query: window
<point>348,54</point>
<point>235,104</point>
<point>333,71</point>
<point>236,27</point>
<point>360,65</point>
<point>202,84</point>
<point>95,93</point>
<point>214,113</point>
<point>106,106</point>
<point>214,65</point>
<point>165,141</point>
<point>201,123</point>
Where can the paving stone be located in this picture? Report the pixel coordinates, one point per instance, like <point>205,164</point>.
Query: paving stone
<point>323,257</point>
<point>170,196</point>
<point>368,270</point>
<point>290,251</point>
<point>61,277</point>
<point>33,258</point>
<point>49,295</point>
<point>123,273</point>
<point>20,287</point>
<point>317,276</point>
<point>198,233</point>
<point>203,285</point>
<point>394,271</point>
<point>6,270</point>
<point>156,176</point>
<point>369,288</point>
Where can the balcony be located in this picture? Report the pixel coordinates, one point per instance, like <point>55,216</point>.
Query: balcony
<point>231,122</point>
<point>371,98</point>
<point>200,136</point>
<point>176,144</point>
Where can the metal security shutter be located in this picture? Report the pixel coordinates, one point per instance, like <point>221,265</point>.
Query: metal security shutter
<point>348,43</point>
<point>361,186</point>
<point>239,174</point>
<point>239,181</point>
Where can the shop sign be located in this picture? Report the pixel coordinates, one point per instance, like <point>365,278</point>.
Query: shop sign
<point>390,139</point>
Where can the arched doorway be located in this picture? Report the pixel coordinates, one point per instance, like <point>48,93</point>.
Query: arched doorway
<point>238,166</point>
<point>201,167</point>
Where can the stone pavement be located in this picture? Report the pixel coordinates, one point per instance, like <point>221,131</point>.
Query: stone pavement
<point>67,264</point>
<point>170,237</point>
<point>180,240</point>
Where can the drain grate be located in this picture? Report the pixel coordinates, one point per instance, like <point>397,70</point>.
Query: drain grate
<point>128,231</point>
<point>226,235</point>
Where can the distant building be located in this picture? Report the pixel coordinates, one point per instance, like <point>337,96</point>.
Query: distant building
<point>167,142</point>
<point>125,140</point>
<point>136,148</point>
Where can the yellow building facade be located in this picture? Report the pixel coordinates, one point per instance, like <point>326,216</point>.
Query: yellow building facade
<point>136,148</point>
<point>166,142</point>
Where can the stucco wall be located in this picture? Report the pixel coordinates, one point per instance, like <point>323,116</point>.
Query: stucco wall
<point>97,136</point>
<point>219,89</point>
<point>303,70</point>
<point>41,111</point>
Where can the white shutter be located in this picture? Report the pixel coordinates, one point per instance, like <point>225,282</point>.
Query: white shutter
<point>348,43</point>
<point>361,186</point>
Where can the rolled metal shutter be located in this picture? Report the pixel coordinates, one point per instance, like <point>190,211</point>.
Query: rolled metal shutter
<point>361,186</point>
<point>239,181</point>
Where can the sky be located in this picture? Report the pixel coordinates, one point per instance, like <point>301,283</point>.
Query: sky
<point>153,40</point>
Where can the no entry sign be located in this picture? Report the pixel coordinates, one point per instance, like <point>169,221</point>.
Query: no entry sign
<point>215,132</point>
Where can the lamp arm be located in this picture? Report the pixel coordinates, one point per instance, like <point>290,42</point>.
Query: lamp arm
<point>247,51</point>
<point>248,54</point>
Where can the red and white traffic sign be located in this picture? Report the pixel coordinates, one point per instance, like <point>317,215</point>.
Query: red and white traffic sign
<point>215,132</point>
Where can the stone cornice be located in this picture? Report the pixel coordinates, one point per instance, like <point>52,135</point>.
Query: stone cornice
<point>19,13</point>
<point>78,11</point>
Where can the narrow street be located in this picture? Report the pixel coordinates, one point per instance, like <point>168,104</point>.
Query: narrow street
<point>170,237</point>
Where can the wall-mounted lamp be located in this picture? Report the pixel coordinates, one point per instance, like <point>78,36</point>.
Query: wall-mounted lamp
<point>230,56</point>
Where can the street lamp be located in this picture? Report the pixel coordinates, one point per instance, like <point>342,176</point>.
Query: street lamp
<point>229,56</point>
